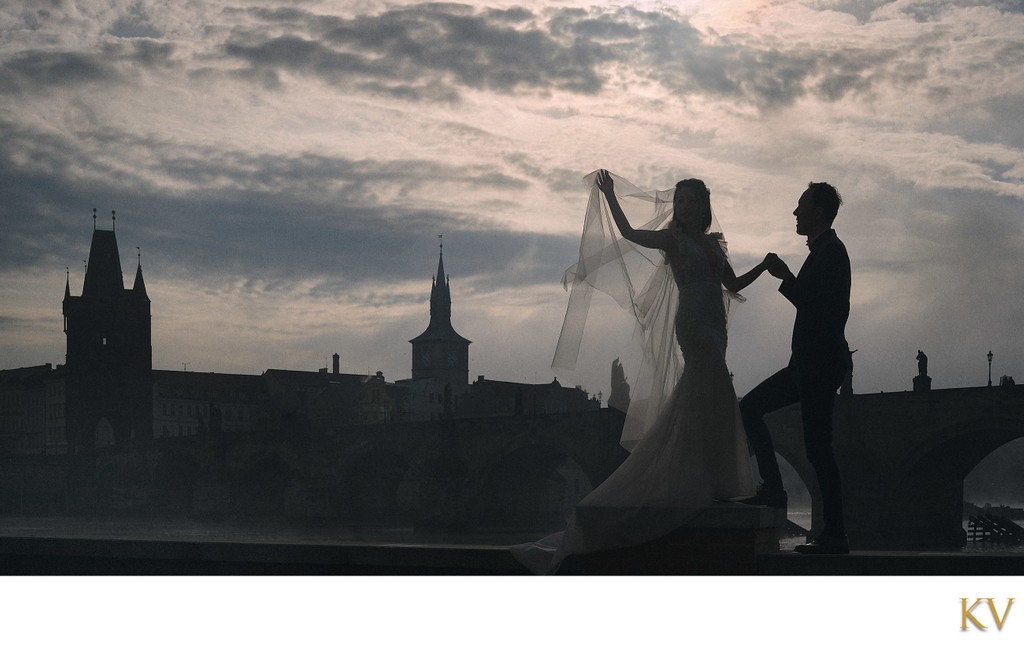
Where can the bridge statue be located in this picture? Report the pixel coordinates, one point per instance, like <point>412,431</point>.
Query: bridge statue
<point>619,398</point>
<point>922,381</point>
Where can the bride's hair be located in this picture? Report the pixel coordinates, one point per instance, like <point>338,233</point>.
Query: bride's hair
<point>703,195</point>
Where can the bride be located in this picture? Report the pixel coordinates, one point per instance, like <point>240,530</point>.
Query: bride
<point>683,425</point>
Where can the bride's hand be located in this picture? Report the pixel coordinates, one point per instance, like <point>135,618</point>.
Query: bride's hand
<point>604,181</point>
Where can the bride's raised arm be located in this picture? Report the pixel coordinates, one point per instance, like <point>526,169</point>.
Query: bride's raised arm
<point>735,283</point>
<point>643,237</point>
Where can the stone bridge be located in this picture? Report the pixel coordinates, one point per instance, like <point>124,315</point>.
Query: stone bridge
<point>491,474</point>
<point>903,458</point>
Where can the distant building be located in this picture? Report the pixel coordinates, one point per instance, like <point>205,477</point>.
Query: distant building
<point>439,387</point>
<point>24,419</point>
<point>487,398</point>
<point>108,393</point>
<point>108,371</point>
<point>200,403</point>
<point>318,402</point>
<point>440,353</point>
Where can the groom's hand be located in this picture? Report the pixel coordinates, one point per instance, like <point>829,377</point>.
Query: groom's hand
<point>777,267</point>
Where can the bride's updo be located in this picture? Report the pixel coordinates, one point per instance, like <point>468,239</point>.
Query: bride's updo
<point>703,195</point>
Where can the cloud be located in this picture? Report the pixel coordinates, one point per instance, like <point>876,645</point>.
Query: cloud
<point>430,52</point>
<point>437,52</point>
<point>272,220</point>
<point>33,71</point>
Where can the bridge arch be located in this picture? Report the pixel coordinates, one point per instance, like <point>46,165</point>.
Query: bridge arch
<point>926,499</point>
<point>530,485</point>
<point>962,445</point>
<point>367,486</point>
<point>262,483</point>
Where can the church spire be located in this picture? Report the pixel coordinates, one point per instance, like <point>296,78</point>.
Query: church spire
<point>440,260</point>
<point>440,294</point>
<point>140,284</point>
<point>440,352</point>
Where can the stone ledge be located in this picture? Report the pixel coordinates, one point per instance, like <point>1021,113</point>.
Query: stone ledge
<point>92,556</point>
<point>892,563</point>
<point>724,539</point>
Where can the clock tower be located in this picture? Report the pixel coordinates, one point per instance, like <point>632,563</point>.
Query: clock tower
<point>439,352</point>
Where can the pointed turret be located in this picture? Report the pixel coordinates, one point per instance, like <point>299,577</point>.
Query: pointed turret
<point>140,285</point>
<point>139,288</point>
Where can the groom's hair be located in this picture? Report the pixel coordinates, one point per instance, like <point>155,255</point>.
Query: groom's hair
<point>827,197</point>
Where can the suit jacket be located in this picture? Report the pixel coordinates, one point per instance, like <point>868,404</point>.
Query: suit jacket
<point>821,294</point>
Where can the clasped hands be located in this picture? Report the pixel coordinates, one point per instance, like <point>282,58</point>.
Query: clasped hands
<point>776,267</point>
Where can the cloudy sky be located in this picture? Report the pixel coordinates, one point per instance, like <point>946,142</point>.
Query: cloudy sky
<point>286,168</point>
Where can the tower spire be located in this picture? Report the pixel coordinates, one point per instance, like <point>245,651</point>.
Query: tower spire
<point>103,269</point>
<point>440,278</point>
<point>440,352</point>
<point>140,284</point>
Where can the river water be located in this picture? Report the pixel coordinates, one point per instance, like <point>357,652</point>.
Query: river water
<point>274,532</point>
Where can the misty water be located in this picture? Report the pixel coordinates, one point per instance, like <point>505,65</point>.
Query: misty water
<point>269,532</point>
<point>261,531</point>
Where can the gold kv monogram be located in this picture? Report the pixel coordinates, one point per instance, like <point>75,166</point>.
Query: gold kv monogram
<point>968,613</point>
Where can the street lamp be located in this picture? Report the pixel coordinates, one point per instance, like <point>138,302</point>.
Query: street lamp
<point>989,368</point>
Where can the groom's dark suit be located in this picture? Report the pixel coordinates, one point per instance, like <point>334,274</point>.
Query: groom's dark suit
<point>821,294</point>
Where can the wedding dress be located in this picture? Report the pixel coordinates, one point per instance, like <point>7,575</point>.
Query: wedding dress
<point>683,423</point>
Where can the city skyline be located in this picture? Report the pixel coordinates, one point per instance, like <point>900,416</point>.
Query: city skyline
<point>286,172</point>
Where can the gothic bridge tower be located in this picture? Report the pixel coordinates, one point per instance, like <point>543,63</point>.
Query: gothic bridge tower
<point>109,360</point>
<point>439,352</point>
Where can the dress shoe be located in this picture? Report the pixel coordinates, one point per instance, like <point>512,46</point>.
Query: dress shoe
<point>834,544</point>
<point>766,496</point>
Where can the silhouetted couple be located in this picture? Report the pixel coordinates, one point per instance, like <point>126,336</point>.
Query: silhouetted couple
<point>689,444</point>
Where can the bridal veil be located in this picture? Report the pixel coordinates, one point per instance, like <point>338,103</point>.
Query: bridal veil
<point>640,281</point>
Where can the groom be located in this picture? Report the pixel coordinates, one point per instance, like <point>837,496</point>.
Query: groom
<point>821,294</point>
